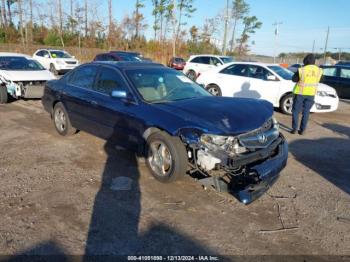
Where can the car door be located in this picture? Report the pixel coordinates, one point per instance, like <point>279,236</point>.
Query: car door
<point>232,80</point>
<point>116,116</point>
<point>78,98</point>
<point>261,86</point>
<point>344,83</point>
<point>330,77</point>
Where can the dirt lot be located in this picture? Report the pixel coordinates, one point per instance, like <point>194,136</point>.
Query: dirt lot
<point>56,197</point>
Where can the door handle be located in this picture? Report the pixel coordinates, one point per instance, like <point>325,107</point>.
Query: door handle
<point>94,103</point>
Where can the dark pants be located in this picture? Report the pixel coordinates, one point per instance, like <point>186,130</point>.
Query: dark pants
<point>301,104</point>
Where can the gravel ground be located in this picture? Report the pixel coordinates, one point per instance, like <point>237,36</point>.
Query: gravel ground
<point>56,197</point>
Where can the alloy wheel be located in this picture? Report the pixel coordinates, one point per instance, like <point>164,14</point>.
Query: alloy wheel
<point>160,159</point>
<point>60,120</point>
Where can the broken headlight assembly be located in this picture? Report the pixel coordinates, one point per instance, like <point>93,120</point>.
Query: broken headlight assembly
<point>229,144</point>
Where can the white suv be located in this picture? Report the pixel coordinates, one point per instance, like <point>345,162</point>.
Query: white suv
<point>197,64</point>
<point>57,61</point>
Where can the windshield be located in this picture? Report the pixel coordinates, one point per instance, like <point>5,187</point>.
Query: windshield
<point>282,72</point>
<point>226,59</point>
<point>19,63</point>
<point>158,85</point>
<point>60,54</point>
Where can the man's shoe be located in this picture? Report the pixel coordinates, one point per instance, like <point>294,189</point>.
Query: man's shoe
<point>301,132</point>
<point>293,131</point>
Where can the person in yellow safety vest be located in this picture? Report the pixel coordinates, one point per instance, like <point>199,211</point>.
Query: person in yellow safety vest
<point>307,79</point>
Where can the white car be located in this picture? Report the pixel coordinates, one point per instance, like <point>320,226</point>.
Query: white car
<point>197,64</point>
<point>57,61</point>
<point>263,81</point>
<point>21,76</point>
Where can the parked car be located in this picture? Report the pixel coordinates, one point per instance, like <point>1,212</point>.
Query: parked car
<point>338,77</point>
<point>21,77</point>
<point>121,56</point>
<point>177,63</point>
<point>264,81</point>
<point>200,63</point>
<point>344,63</point>
<point>234,144</point>
<point>57,61</point>
<point>295,67</point>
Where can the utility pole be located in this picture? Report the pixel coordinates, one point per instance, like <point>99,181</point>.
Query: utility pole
<point>276,24</point>
<point>174,28</point>
<point>325,46</point>
<point>225,31</point>
<point>313,47</point>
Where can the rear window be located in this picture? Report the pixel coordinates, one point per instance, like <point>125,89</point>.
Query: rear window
<point>345,72</point>
<point>19,63</point>
<point>201,60</point>
<point>330,71</point>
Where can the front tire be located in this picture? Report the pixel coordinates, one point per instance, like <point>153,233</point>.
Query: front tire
<point>61,121</point>
<point>214,90</point>
<point>286,104</point>
<point>3,95</point>
<point>166,157</point>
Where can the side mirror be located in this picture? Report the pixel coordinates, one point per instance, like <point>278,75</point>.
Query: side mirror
<point>46,56</point>
<point>119,94</point>
<point>272,78</point>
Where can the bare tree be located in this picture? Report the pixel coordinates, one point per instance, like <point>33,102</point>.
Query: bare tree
<point>9,3</point>
<point>3,12</point>
<point>20,13</point>
<point>110,18</point>
<point>239,9</point>
<point>86,17</point>
<point>60,19</point>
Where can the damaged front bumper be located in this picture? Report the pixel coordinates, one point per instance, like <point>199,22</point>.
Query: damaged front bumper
<point>261,170</point>
<point>268,172</point>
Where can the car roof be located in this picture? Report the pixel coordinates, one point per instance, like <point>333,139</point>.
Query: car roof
<point>336,65</point>
<point>192,56</point>
<point>128,64</point>
<point>14,54</point>
<point>252,63</point>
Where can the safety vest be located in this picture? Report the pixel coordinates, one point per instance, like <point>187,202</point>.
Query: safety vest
<point>309,77</point>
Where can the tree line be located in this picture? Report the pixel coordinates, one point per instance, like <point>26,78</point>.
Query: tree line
<point>79,23</point>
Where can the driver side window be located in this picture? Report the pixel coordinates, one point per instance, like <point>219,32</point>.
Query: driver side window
<point>258,72</point>
<point>109,80</point>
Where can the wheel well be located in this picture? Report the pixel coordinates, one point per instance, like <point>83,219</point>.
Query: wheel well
<point>288,93</point>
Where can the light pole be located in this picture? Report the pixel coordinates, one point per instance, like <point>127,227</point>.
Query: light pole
<point>276,24</point>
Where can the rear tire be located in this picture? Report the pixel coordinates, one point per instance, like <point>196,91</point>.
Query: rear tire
<point>192,75</point>
<point>214,90</point>
<point>166,157</point>
<point>3,95</point>
<point>61,121</point>
<point>286,104</point>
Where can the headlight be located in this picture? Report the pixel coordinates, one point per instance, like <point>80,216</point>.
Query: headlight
<point>59,62</point>
<point>214,139</point>
<point>322,93</point>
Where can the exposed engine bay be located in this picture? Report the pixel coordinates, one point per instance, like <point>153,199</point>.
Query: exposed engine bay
<point>24,89</point>
<point>231,163</point>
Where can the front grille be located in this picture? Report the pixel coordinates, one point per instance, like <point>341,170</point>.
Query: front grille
<point>71,62</point>
<point>261,137</point>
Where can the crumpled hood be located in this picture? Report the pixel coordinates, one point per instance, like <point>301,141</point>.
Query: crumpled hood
<point>221,115</point>
<point>21,75</point>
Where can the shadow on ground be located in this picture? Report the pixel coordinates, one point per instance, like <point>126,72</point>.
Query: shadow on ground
<point>114,225</point>
<point>329,157</point>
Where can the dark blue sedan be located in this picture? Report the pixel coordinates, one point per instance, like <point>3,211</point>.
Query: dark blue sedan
<point>230,144</point>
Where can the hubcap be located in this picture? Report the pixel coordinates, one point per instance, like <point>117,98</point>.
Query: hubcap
<point>214,91</point>
<point>160,158</point>
<point>60,120</point>
<point>288,105</point>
